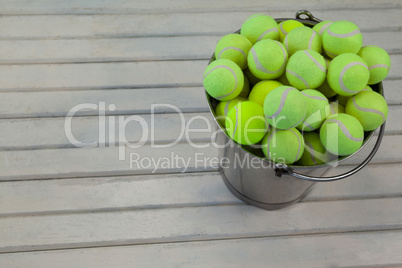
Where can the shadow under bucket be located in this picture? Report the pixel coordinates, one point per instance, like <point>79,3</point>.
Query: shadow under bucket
<point>259,182</point>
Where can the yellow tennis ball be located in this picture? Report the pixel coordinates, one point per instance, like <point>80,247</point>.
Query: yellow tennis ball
<point>321,27</point>
<point>378,62</point>
<point>286,26</point>
<point>261,90</point>
<point>258,27</point>
<point>245,123</point>
<point>348,74</point>
<point>223,79</point>
<point>223,107</point>
<point>369,107</point>
<point>314,152</point>
<point>267,59</point>
<point>342,37</point>
<point>344,99</point>
<point>317,110</point>
<point>341,134</point>
<point>336,108</point>
<point>306,69</point>
<point>283,146</point>
<point>285,107</point>
<point>233,47</point>
<point>246,89</point>
<point>302,38</point>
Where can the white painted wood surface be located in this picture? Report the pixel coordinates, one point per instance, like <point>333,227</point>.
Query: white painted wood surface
<point>62,206</point>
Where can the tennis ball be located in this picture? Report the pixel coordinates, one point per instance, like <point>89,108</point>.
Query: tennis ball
<point>223,79</point>
<point>336,108</point>
<point>326,89</point>
<point>314,152</point>
<point>233,47</point>
<point>306,69</point>
<point>378,62</point>
<point>285,107</point>
<point>251,78</point>
<point>344,99</point>
<point>258,27</point>
<point>321,27</point>
<point>302,38</point>
<point>267,59</point>
<point>283,79</point>
<point>223,108</point>
<point>342,37</point>
<point>261,90</point>
<point>286,26</point>
<point>245,123</point>
<point>348,74</point>
<point>283,146</point>
<point>341,134</point>
<point>369,107</point>
<point>246,89</point>
<point>317,110</point>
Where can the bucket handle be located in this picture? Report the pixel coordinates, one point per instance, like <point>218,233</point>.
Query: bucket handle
<point>284,169</point>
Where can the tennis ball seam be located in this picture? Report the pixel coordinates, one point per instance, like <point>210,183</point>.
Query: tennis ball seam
<point>344,70</point>
<point>344,129</point>
<point>234,75</point>
<point>261,68</point>
<point>323,28</point>
<point>369,110</point>
<point>266,32</point>
<point>281,104</point>
<point>310,42</point>
<point>298,77</point>
<point>379,66</point>
<point>234,48</point>
<point>344,35</point>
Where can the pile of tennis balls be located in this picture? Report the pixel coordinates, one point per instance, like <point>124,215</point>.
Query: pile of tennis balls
<point>301,94</point>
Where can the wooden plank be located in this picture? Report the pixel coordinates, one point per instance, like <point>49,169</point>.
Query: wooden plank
<point>76,162</point>
<point>379,249</point>
<point>195,223</point>
<point>136,49</point>
<point>22,7</point>
<point>125,101</point>
<point>123,25</point>
<point>116,75</point>
<point>157,191</point>
<point>51,132</point>
<point>112,193</point>
<point>101,75</point>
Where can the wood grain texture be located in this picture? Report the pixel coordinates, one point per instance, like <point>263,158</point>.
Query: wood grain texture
<point>158,6</point>
<point>178,24</point>
<point>42,133</point>
<point>366,249</point>
<point>125,101</point>
<point>195,223</point>
<point>76,162</point>
<point>173,190</point>
<point>136,49</point>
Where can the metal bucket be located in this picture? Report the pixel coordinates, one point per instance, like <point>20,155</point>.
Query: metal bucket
<point>257,181</point>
